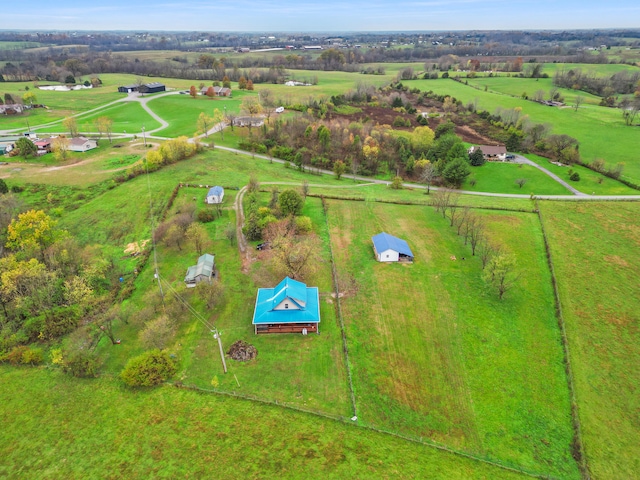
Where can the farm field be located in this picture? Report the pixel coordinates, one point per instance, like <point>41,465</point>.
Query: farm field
<point>167,432</point>
<point>437,355</point>
<point>601,241</point>
<point>519,87</point>
<point>600,130</point>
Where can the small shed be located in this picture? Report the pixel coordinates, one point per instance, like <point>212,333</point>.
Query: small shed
<point>128,88</point>
<point>154,87</point>
<point>214,195</point>
<point>203,271</point>
<point>82,144</point>
<point>289,307</point>
<point>391,249</point>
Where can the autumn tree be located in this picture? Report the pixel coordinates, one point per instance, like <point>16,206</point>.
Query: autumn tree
<point>71,126</point>
<point>104,125</point>
<point>60,147</point>
<point>29,98</point>
<point>295,256</point>
<point>211,92</point>
<point>198,236</point>
<point>211,293</point>
<point>157,333</point>
<point>205,122</point>
<point>33,231</point>
<point>193,91</point>
<point>242,83</point>
<point>339,168</point>
<point>218,119</point>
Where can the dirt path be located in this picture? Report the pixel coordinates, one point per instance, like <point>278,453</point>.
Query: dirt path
<point>243,246</point>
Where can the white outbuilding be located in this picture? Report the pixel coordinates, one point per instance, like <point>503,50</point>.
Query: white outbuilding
<point>215,195</point>
<point>391,249</point>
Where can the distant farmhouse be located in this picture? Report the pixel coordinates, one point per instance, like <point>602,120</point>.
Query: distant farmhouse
<point>217,91</point>
<point>214,195</point>
<point>391,249</point>
<point>82,144</point>
<point>203,271</point>
<point>154,87</point>
<point>290,307</point>
<point>491,152</point>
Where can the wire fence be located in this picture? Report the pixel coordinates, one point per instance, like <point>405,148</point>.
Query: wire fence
<point>359,424</point>
<point>336,288</point>
<point>578,451</point>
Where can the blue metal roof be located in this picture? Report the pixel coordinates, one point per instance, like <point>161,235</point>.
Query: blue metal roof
<point>305,298</point>
<point>217,191</point>
<point>383,241</point>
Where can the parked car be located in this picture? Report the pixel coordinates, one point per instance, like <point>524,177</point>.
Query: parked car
<point>263,246</point>
<point>510,157</point>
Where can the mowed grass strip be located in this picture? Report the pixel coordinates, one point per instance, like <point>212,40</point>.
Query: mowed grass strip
<point>100,429</point>
<point>436,354</point>
<point>595,252</point>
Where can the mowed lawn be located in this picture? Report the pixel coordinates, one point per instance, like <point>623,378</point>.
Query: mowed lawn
<point>595,251</point>
<point>99,429</point>
<point>435,354</point>
<point>601,131</point>
<point>501,177</point>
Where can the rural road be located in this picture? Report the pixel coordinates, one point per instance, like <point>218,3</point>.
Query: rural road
<point>578,196</point>
<point>135,97</point>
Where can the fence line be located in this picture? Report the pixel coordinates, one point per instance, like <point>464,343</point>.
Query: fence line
<point>348,421</point>
<point>336,288</point>
<point>577,447</point>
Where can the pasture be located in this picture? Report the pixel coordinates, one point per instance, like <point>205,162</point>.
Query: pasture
<point>595,253</point>
<point>436,354</point>
<point>105,430</point>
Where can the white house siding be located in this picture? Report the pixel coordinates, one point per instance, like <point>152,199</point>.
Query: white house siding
<point>388,256</point>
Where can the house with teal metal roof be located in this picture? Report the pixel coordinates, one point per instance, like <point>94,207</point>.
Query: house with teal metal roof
<point>391,249</point>
<point>289,307</point>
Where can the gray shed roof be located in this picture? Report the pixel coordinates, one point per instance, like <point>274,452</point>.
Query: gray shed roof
<point>204,267</point>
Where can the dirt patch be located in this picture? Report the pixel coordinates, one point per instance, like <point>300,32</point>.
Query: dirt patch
<point>242,351</point>
<point>135,248</point>
<point>616,260</point>
<point>468,134</point>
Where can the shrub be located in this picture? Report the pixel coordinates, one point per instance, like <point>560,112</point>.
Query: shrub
<point>14,357</point>
<point>303,225</point>
<point>32,356</point>
<point>206,216</point>
<point>575,177</point>
<point>149,369</point>
<point>81,363</point>
<point>290,202</point>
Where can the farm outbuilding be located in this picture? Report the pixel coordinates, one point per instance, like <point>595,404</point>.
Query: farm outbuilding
<point>203,271</point>
<point>153,87</point>
<point>214,195</point>
<point>82,144</point>
<point>290,307</point>
<point>391,249</point>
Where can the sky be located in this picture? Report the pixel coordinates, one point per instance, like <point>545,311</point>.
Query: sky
<point>321,16</point>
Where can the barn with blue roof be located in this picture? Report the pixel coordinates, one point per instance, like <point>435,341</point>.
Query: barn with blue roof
<point>391,249</point>
<point>289,307</point>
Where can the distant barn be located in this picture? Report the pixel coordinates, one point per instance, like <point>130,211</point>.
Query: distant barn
<point>154,87</point>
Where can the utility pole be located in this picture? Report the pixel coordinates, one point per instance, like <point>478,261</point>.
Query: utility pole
<point>216,335</point>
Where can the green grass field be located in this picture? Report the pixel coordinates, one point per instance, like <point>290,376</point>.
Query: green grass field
<point>501,178</point>
<point>595,252</point>
<point>600,130</point>
<point>99,429</point>
<point>436,354</point>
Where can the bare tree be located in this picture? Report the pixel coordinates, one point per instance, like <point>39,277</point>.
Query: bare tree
<point>521,182</point>
<point>451,209</point>
<point>488,250</point>
<point>578,101</point>
<point>427,176</point>
<point>475,232</point>
<point>500,273</point>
